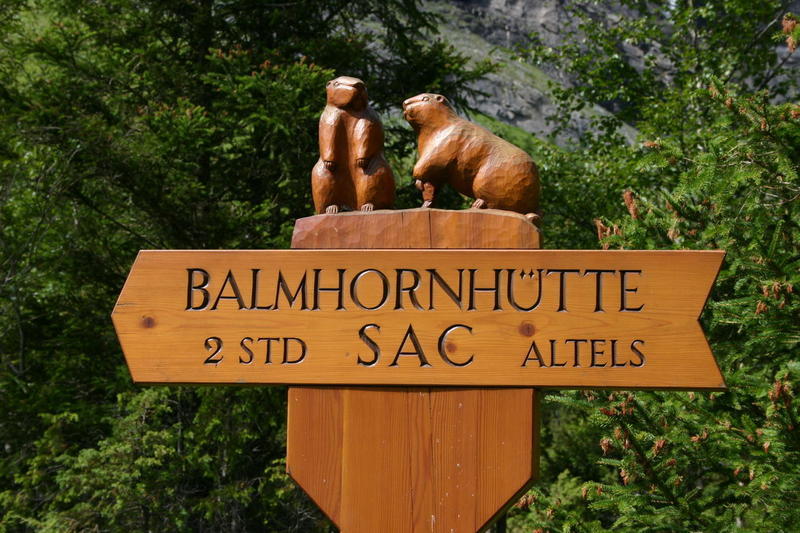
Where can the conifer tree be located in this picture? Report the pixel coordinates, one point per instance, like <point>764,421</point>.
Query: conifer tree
<point>131,124</point>
<point>715,167</point>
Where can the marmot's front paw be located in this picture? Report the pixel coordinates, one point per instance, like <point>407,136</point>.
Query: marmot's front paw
<point>427,203</point>
<point>418,184</point>
<point>330,165</point>
<point>362,162</point>
<point>331,209</point>
<point>479,204</point>
<point>367,207</point>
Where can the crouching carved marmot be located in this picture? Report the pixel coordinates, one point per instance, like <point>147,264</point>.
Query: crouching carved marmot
<point>472,160</point>
<point>351,172</point>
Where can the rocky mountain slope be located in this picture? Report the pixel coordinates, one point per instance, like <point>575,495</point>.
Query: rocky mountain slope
<point>519,94</point>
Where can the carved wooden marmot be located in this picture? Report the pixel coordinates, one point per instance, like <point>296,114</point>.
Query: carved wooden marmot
<point>471,159</point>
<point>351,172</point>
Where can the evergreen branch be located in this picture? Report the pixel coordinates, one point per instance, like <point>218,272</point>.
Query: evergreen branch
<point>690,515</point>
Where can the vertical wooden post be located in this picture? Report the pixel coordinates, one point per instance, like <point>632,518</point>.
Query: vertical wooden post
<point>413,459</point>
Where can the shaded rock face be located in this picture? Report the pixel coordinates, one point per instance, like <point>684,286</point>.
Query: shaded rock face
<point>518,94</point>
<point>509,22</point>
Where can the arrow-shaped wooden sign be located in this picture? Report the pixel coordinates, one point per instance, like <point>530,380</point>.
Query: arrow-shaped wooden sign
<point>534,318</point>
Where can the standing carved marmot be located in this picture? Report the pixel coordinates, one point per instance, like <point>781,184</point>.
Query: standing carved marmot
<point>471,159</point>
<point>351,172</point>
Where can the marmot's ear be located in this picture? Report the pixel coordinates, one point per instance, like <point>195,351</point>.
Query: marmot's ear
<point>439,98</point>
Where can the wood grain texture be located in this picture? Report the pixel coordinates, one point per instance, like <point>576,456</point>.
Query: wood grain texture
<point>420,436</point>
<point>376,457</point>
<point>417,228</point>
<point>314,445</point>
<point>456,417</point>
<point>449,460</point>
<point>634,327</point>
<point>443,446</point>
<point>508,446</point>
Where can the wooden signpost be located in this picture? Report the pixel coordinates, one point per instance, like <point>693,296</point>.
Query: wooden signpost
<point>423,319</point>
<point>539,318</point>
<point>416,341</point>
<point>413,459</point>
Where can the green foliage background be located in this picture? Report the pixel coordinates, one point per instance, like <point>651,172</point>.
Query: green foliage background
<point>133,124</point>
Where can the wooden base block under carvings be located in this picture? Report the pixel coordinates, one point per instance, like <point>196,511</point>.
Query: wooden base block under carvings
<point>405,459</point>
<point>417,228</point>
